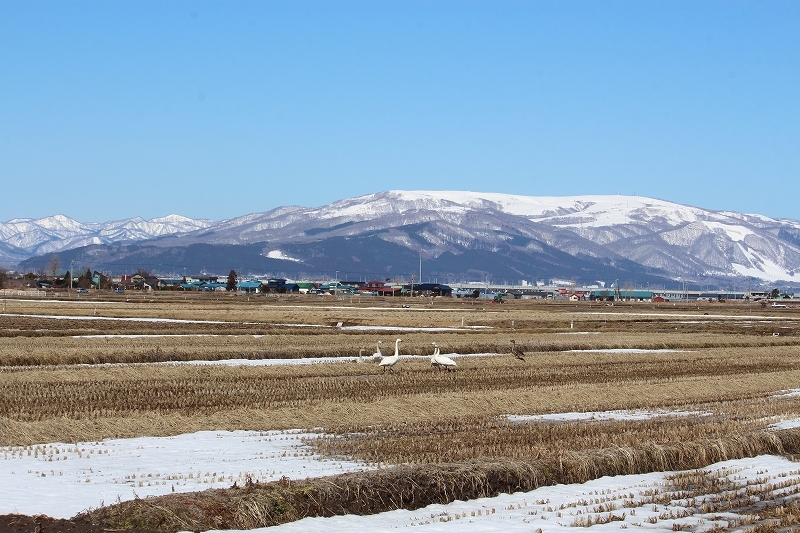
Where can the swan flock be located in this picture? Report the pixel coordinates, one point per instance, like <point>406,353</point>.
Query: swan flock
<point>438,360</point>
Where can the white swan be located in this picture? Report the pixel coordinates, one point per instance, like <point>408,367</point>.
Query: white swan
<point>378,350</point>
<point>440,361</point>
<point>390,361</point>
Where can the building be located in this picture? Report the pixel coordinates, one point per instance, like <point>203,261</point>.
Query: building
<point>429,289</point>
<point>250,286</point>
<point>275,285</point>
<point>379,288</point>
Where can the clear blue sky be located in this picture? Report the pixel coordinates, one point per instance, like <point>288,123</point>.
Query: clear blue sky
<point>219,109</point>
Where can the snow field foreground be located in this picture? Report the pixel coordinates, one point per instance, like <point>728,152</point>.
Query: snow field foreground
<point>655,502</point>
<point>61,480</point>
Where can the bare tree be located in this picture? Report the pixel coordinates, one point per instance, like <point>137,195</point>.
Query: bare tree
<point>231,285</point>
<point>54,265</point>
<point>144,273</point>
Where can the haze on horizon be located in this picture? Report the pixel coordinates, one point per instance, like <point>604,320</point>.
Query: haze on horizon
<point>110,110</point>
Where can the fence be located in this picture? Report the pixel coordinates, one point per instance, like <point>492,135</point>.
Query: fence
<point>15,292</point>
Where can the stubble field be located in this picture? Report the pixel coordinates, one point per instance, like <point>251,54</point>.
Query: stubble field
<point>100,368</point>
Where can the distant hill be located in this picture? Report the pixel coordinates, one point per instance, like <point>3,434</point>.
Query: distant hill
<point>22,238</point>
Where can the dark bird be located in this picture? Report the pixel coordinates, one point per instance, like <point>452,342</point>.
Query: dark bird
<point>516,352</point>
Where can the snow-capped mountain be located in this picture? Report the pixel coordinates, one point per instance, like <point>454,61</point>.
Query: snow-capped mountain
<point>24,237</point>
<point>680,240</point>
<point>458,232</point>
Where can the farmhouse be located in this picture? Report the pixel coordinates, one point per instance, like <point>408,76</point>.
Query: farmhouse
<point>379,288</point>
<point>249,286</point>
<point>429,289</point>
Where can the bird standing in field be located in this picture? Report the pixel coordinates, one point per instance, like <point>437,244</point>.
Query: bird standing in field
<point>517,352</point>
<point>378,350</point>
<point>391,360</point>
<point>440,361</point>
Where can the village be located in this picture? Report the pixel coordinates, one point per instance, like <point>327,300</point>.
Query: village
<point>561,290</point>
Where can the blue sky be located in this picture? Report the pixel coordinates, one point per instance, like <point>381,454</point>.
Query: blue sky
<point>218,109</point>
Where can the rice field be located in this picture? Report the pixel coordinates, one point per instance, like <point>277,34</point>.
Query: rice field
<point>121,368</point>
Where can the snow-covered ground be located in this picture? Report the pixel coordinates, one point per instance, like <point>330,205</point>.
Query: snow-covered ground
<point>315,360</point>
<point>786,424</point>
<point>667,314</point>
<point>790,393</point>
<point>26,302</point>
<point>417,307</point>
<point>190,321</point>
<point>157,335</point>
<point>603,415</point>
<point>409,328</point>
<point>61,480</point>
<point>603,505</point>
<point>121,319</point>
<point>629,350</point>
<point>366,359</point>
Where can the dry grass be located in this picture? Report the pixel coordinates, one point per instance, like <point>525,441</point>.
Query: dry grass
<point>214,342</point>
<point>39,394</point>
<point>446,427</point>
<point>415,486</point>
<point>92,403</point>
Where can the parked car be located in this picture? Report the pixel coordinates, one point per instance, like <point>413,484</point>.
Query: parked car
<point>82,290</point>
<point>119,290</point>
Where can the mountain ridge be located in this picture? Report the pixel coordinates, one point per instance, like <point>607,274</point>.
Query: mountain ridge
<point>56,233</point>
<point>665,239</point>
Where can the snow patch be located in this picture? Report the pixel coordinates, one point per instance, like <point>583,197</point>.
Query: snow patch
<point>605,415</point>
<point>61,479</point>
<point>627,504</point>
<point>734,233</point>
<point>628,350</point>
<point>278,254</point>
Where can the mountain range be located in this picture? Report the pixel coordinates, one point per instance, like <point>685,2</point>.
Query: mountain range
<point>456,235</point>
<point>22,238</point>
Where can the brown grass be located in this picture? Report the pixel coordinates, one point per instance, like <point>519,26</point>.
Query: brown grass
<point>415,486</point>
<point>447,427</point>
<point>280,344</point>
<point>26,339</point>
<point>90,392</point>
<point>126,402</point>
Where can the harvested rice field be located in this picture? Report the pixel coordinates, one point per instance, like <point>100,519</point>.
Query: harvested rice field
<point>208,412</point>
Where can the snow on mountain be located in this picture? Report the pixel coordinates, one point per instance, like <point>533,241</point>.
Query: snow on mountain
<point>680,241</point>
<point>56,233</point>
<point>278,254</point>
